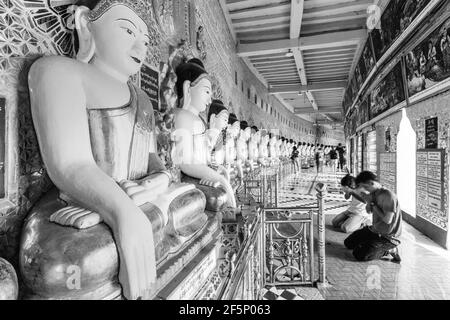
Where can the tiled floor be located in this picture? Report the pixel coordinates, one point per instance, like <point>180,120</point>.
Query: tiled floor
<point>291,294</point>
<point>424,272</point>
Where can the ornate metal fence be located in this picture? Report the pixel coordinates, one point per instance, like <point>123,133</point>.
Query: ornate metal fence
<point>289,246</point>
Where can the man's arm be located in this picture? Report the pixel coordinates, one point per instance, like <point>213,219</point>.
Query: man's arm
<point>385,206</point>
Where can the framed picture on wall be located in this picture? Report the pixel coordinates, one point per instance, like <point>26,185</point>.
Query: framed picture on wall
<point>431,133</point>
<point>396,18</point>
<point>429,63</point>
<point>367,60</point>
<point>388,93</point>
<point>363,111</point>
<point>149,83</point>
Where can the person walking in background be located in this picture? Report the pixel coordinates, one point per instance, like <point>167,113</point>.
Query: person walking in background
<point>294,158</point>
<point>319,160</point>
<point>356,216</point>
<point>382,238</point>
<point>333,159</point>
<point>341,153</point>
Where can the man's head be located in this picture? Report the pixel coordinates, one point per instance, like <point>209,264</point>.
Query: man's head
<point>368,181</point>
<point>348,182</point>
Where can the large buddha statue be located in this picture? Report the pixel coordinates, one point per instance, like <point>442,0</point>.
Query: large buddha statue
<point>233,130</point>
<point>242,161</point>
<point>253,147</point>
<point>280,146</point>
<point>273,149</point>
<point>194,92</point>
<point>114,216</point>
<point>217,123</point>
<point>263,157</point>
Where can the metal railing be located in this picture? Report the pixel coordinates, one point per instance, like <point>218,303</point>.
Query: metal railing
<point>289,246</point>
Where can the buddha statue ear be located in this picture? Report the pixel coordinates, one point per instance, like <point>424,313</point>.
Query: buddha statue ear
<point>85,40</point>
<point>186,94</point>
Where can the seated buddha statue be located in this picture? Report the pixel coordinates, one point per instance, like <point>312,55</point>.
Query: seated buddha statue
<point>232,132</point>
<point>253,147</point>
<point>285,149</point>
<point>308,153</point>
<point>273,154</point>
<point>194,92</point>
<point>114,215</point>
<point>290,148</point>
<point>242,161</point>
<point>263,153</point>
<point>280,147</point>
<point>217,123</point>
<point>301,150</point>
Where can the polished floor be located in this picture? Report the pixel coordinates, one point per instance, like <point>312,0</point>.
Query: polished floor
<point>424,272</point>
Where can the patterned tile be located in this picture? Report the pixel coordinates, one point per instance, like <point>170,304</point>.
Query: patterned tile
<point>272,293</point>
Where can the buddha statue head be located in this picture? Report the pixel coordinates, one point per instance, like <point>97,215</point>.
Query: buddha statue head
<point>246,131</point>
<point>273,139</point>
<point>114,34</point>
<point>218,115</point>
<point>256,134</point>
<point>234,126</point>
<point>194,88</point>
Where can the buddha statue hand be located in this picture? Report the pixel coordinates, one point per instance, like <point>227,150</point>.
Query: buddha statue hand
<point>208,183</point>
<point>224,172</point>
<point>76,217</point>
<point>133,234</point>
<point>147,189</point>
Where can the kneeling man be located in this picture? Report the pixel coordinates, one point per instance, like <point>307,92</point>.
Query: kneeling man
<point>382,238</point>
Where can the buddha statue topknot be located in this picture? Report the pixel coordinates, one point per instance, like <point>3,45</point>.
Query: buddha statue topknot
<point>115,215</point>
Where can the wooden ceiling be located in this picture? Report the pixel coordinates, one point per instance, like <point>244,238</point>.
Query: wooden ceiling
<point>305,50</point>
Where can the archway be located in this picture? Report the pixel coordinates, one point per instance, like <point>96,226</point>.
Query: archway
<point>406,166</point>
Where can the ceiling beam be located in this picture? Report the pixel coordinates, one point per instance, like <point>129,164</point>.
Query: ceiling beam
<point>333,9</point>
<point>260,10</point>
<point>223,5</point>
<point>309,87</point>
<point>326,40</point>
<point>312,111</point>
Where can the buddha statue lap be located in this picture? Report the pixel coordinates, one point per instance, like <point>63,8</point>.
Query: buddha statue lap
<point>114,217</point>
<point>192,141</point>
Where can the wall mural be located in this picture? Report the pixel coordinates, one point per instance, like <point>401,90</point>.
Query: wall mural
<point>363,114</point>
<point>367,60</point>
<point>395,19</point>
<point>429,62</point>
<point>398,15</point>
<point>355,88</point>
<point>388,93</point>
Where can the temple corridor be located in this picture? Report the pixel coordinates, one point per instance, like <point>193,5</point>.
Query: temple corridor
<point>423,274</point>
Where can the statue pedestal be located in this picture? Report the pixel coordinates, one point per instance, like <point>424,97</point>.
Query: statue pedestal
<point>181,276</point>
<point>192,278</point>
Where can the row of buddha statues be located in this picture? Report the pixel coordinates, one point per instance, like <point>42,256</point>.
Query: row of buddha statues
<point>116,213</point>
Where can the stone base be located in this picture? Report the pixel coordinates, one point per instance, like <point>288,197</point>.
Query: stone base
<point>194,275</point>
